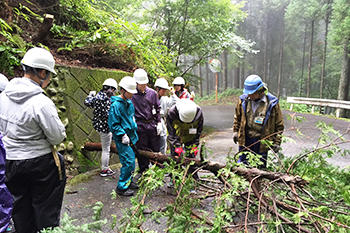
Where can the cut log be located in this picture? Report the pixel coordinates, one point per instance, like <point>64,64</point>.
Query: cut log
<point>45,29</point>
<point>96,146</point>
<point>210,166</point>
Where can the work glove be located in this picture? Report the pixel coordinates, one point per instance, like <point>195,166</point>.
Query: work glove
<point>276,148</point>
<point>179,151</point>
<point>194,151</point>
<point>92,93</point>
<point>125,139</point>
<point>235,137</point>
<point>159,128</point>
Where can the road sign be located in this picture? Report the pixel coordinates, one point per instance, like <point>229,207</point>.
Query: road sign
<point>215,65</point>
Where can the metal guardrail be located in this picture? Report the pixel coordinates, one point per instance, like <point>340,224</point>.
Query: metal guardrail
<point>319,102</point>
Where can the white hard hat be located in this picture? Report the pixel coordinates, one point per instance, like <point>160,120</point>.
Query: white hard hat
<point>140,76</point>
<point>3,82</point>
<point>110,82</point>
<point>187,110</point>
<point>162,83</point>
<point>179,81</point>
<point>39,58</point>
<point>129,84</point>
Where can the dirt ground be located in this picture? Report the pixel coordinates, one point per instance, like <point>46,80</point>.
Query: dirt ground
<point>78,204</point>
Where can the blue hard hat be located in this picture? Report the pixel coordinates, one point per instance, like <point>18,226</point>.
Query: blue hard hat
<point>252,83</point>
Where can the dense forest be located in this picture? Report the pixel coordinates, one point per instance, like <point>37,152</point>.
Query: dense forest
<point>299,48</point>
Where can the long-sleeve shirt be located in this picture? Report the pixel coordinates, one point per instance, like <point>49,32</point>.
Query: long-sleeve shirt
<point>101,104</point>
<point>121,119</point>
<point>165,104</point>
<point>147,109</point>
<point>179,132</point>
<point>29,120</point>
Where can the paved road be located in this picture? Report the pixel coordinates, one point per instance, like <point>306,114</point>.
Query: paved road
<point>79,204</point>
<point>221,118</point>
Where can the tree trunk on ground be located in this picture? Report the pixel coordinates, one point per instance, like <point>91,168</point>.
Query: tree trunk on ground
<point>344,81</point>
<point>308,86</point>
<point>44,29</point>
<point>303,63</point>
<point>210,166</point>
<point>280,67</point>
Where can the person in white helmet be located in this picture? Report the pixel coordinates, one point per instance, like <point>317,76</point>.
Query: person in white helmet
<point>147,115</point>
<point>162,88</point>
<point>101,103</point>
<point>180,90</point>
<point>124,129</point>
<point>35,173</point>
<point>185,124</point>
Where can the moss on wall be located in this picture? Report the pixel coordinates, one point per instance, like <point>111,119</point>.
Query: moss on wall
<point>71,86</point>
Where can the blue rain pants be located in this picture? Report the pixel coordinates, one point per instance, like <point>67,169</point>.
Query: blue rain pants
<point>127,159</point>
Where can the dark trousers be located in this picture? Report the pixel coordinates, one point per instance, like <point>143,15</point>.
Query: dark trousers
<point>149,141</point>
<point>254,148</point>
<point>37,192</point>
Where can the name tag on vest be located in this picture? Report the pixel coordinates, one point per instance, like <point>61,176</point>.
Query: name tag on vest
<point>259,120</point>
<point>192,131</point>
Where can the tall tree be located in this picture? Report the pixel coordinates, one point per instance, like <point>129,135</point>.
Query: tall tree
<point>199,28</point>
<point>341,37</point>
<point>324,54</point>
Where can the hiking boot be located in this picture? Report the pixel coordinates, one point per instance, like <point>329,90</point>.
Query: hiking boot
<point>133,185</point>
<point>126,192</point>
<point>107,172</point>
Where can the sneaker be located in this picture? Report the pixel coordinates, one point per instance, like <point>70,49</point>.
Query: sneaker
<point>133,185</point>
<point>126,192</point>
<point>10,229</point>
<point>107,172</point>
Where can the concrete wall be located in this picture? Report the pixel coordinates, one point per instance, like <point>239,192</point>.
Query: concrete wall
<point>69,90</point>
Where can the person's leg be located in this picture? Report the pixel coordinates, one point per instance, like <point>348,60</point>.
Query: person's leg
<point>143,144</point>
<point>251,145</point>
<point>127,159</point>
<point>47,191</point>
<point>106,145</point>
<point>18,182</point>
<point>163,144</point>
<point>154,142</point>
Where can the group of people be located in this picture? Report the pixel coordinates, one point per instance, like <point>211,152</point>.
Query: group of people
<point>32,173</point>
<point>142,118</point>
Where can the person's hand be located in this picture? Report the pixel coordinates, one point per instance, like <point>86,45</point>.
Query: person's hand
<point>235,137</point>
<point>159,128</point>
<point>276,148</point>
<point>125,139</point>
<point>92,93</point>
<point>179,151</point>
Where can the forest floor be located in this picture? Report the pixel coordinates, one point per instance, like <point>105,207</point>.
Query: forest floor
<point>79,203</point>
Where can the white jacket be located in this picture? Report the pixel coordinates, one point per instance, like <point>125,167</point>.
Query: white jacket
<point>165,104</point>
<point>29,120</point>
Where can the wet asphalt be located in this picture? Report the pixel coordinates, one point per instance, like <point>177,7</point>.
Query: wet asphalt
<point>80,199</point>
